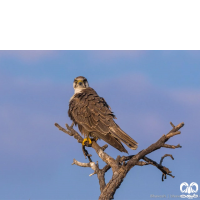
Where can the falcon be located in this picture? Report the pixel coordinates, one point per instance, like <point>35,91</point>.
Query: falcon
<point>94,117</point>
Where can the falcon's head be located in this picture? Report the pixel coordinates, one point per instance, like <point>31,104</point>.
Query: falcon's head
<point>80,83</point>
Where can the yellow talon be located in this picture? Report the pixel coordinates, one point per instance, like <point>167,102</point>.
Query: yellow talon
<point>87,140</point>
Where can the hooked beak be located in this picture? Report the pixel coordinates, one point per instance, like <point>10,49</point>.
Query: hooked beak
<point>80,82</point>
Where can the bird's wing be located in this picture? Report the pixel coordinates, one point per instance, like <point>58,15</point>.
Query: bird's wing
<point>93,113</point>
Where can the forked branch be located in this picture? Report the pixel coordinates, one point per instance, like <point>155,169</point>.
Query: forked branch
<point>122,165</point>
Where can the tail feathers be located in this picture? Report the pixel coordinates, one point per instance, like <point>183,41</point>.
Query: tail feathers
<point>113,141</point>
<point>123,137</point>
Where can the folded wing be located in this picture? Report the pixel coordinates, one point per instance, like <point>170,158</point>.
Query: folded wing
<point>92,114</point>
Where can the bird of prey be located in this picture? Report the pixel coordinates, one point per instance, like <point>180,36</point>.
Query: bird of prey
<point>95,118</point>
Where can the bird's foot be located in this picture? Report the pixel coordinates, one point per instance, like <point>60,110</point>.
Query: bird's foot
<point>87,140</point>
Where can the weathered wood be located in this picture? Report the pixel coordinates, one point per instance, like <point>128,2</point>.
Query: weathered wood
<point>122,165</point>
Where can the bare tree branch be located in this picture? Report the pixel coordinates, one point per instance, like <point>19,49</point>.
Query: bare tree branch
<point>70,131</point>
<point>104,147</point>
<point>100,151</point>
<point>105,157</point>
<point>116,181</point>
<point>106,168</point>
<point>92,165</point>
<point>161,160</point>
<point>122,165</point>
<point>171,146</point>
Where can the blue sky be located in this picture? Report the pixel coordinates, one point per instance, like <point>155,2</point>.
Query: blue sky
<point>145,89</point>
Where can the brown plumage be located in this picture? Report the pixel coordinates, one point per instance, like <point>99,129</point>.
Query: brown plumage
<point>95,119</point>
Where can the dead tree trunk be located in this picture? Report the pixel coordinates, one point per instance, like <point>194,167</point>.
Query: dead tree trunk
<point>122,165</point>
